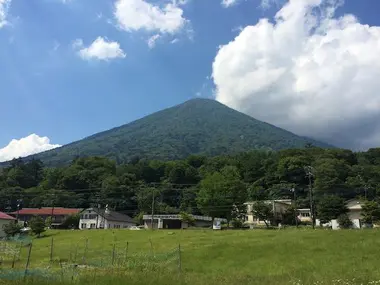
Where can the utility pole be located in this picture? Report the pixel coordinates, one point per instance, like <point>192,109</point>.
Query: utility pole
<point>365,186</point>
<point>18,208</point>
<point>97,217</point>
<point>309,174</point>
<point>151,220</point>
<point>52,210</point>
<point>295,205</point>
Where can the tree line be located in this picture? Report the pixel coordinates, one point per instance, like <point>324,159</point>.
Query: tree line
<point>215,186</point>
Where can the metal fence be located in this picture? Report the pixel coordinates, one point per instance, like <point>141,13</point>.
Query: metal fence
<point>17,260</point>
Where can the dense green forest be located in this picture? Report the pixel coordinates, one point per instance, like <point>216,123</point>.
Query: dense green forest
<point>198,126</point>
<point>196,184</point>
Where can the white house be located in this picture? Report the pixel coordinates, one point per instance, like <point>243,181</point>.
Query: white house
<point>279,207</point>
<point>94,218</point>
<point>354,207</point>
<point>354,213</point>
<point>4,220</point>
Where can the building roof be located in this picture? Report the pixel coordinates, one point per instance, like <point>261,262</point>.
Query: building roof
<point>112,215</point>
<point>281,201</point>
<point>179,217</point>
<point>4,216</point>
<point>354,204</point>
<point>47,211</point>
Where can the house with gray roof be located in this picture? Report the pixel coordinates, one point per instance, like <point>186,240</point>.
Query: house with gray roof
<point>96,218</point>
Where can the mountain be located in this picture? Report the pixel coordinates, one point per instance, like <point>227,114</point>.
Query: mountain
<point>198,126</point>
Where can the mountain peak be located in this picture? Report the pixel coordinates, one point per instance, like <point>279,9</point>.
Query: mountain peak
<point>197,126</point>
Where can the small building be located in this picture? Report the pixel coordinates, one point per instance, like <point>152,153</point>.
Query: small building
<point>279,207</point>
<point>94,218</point>
<point>304,215</point>
<point>57,214</point>
<point>175,221</point>
<point>354,207</point>
<point>4,220</point>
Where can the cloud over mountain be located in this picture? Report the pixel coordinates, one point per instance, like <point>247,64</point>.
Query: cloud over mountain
<point>25,146</point>
<point>307,71</point>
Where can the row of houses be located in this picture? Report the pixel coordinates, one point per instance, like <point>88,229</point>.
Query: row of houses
<point>279,207</point>
<point>95,218</point>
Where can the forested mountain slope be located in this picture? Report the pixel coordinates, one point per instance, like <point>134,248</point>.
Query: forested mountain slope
<point>198,126</point>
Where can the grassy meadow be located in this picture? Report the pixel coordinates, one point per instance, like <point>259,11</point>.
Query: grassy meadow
<point>289,256</point>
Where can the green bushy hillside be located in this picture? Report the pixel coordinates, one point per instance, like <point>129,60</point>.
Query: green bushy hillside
<point>198,126</point>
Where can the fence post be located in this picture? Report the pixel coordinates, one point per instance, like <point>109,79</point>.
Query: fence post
<point>151,247</point>
<point>51,249</point>
<point>19,251</point>
<point>76,253</point>
<point>113,254</point>
<point>28,260</point>
<point>126,253</point>
<point>85,252</point>
<point>179,259</point>
<point>14,259</point>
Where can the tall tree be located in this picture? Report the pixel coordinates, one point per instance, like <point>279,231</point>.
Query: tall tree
<point>330,207</point>
<point>222,193</point>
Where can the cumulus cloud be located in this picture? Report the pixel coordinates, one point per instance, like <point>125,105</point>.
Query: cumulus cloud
<point>4,8</point>
<point>134,15</point>
<point>228,3</point>
<point>100,49</point>
<point>31,144</point>
<point>307,71</point>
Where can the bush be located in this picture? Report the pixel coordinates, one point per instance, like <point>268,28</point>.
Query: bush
<point>237,223</point>
<point>344,221</point>
<point>187,218</point>
<point>37,225</point>
<point>11,229</point>
<point>71,222</point>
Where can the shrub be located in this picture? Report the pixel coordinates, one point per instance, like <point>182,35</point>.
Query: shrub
<point>37,225</point>
<point>237,223</point>
<point>11,229</point>
<point>344,221</point>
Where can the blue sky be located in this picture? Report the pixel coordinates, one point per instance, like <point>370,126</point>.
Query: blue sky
<point>65,91</point>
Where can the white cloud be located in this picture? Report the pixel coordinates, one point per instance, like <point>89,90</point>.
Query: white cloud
<point>133,15</point>
<point>4,8</point>
<point>78,43</point>
<point>228,3</point>
<point>152,40</point>
<point>174,41</point>
<point>266,4</point>
<point>31,144</point>
<point>308,71</point>
<point>100,49</point>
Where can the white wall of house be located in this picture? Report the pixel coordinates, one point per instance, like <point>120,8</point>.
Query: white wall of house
<point>91,220</point>
<point>118,225</point>
<point>278,207</point>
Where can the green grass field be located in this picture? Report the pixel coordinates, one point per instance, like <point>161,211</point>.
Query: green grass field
<point>287,256</point>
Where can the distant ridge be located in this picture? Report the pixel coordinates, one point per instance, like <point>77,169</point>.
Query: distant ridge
<point>198,126</point>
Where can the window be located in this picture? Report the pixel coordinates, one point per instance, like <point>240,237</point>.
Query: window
<point>83,226</point>
<point>92,226</point>
<point>305,215</point>
<point>116,226</point>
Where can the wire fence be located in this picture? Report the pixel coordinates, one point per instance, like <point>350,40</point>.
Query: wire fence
<point>18,260</point>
